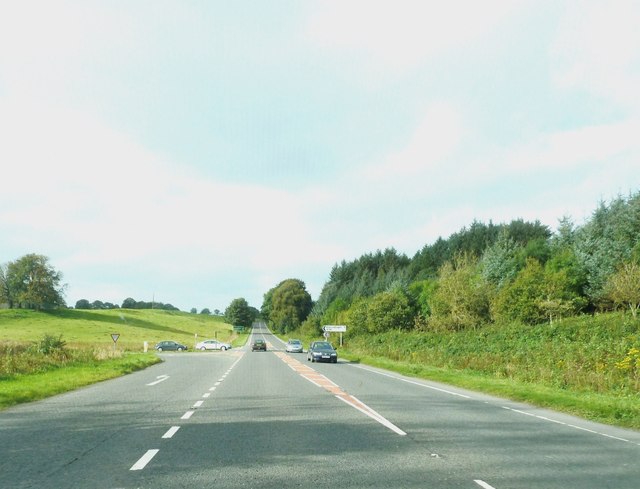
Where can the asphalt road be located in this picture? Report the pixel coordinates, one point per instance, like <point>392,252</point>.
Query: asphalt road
<point>242,419</point>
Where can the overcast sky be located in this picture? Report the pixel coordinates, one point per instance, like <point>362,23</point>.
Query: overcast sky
<point>199,151</point>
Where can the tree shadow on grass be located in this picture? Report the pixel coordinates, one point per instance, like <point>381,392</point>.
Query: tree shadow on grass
<point>123,318</point>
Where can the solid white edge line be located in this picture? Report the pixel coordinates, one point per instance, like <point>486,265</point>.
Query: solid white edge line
<point>550,420</point>
<point>583,429</point>
<point>419,384</point>
<point>615,437</point>
<point>483,484</point>
<point>144,460</point>
<point>171,431</point>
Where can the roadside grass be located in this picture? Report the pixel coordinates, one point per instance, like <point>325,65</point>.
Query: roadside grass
<point>240,339</point>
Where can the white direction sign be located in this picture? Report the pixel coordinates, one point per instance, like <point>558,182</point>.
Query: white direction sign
<point>334,328</point>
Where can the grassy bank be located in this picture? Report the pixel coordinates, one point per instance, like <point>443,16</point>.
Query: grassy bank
<point>587,366</point>
<point>47,353</point>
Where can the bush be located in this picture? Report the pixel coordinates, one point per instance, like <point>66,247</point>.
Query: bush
<point>50,344</point>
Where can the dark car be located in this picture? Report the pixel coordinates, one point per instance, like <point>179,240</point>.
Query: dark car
<point>170,346</point>
<point>322,351</point>
<point>259,345</point>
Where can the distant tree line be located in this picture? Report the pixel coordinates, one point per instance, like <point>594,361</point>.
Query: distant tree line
<point>488,273</point>
<point>128,303</point>
<point>97,305</point>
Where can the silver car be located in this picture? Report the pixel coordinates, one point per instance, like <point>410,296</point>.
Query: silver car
<point>294,346</point>
<point>212,345</point>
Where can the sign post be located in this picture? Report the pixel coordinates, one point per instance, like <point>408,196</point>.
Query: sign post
<point>114,337</point>
<point>334,328</point>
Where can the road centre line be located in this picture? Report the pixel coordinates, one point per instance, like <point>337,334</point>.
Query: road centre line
<point>171,431</point>
<point>144,460</point>
<point>148,456</point>
<point>324,382</point>
<point>364,409</point>
<point>483,484</point>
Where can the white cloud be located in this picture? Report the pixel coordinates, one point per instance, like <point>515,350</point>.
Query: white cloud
<point>46,47</point>
<point>598,49</point>
<point>432,142</point>
<point>402,34</point>
<point>572,149</point>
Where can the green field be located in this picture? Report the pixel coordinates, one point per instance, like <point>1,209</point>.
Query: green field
<point>84,328</point>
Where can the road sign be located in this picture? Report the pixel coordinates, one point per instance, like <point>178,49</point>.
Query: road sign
<point>114,337</point>
<point>334,328</point>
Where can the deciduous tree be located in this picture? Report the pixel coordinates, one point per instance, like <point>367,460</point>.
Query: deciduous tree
<point>290,305</point>
<point>460,300</point>
<point>32,282</point>
<point>238,313</point>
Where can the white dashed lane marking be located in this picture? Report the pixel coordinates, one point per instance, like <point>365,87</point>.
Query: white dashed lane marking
<point>144,460</point>
<point>171,431</point>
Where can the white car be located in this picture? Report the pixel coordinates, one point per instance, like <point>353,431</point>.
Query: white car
<point>212,345</point>
<point>294,346</point>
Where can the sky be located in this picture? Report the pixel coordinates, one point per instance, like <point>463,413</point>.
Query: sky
<point>195,152</point>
